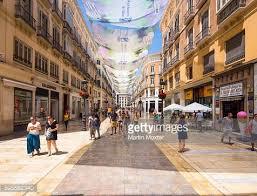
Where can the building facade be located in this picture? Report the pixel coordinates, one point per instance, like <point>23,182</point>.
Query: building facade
<point>148,85</point>
<point>123,100</point>
<point>209,54</point>
<point>45,53</point>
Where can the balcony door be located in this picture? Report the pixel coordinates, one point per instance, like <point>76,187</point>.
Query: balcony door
<point>43,23</point>
<point>205,23</point>
<point>190,37</point>
<point>190,4</point>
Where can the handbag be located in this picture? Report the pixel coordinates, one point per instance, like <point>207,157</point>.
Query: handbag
<point>48,133</point>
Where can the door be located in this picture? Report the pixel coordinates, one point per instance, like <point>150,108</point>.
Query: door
<point>205,23</point>
<point>55,108</point>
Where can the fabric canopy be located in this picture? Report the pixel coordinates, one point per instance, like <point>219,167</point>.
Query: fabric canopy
<point>173,107</point>
<point>123,31</point>
<point>194,107</point>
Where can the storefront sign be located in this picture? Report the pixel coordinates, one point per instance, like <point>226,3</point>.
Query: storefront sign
<point>48,86</point>
<point>189,94</point>
<point>207,92</point>
<point>231,90</point>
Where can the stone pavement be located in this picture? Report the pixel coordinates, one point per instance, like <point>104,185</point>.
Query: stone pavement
<point>17,168</point>
<point>114,165</point>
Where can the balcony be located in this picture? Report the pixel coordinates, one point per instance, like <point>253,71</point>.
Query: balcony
<point>175,60</point>
<point>200,3</point>
<point>47,3</point>
<point>235,57</point>
<point>67,28</point>
<point>67,56</point>
<point>57,12</point>
<point>43,32</point>
<point>176,33</point>
<point>230,9</point>
<point>189,48</point>
<point>208,69</point>
<point>203,36</point>
<point>57,46</point>
<point>189,15</point>
<point>25,15</point>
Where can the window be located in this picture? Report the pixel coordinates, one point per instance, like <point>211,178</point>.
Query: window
<point>54,70</point>
<point>221,4</point>
<point>65,77</point>
<point>235,48</point>
<point>152,92</point>
<point>176,24</point>
<point>43,24</point>
<point>152,69</point>
<point>208,63</point>
<point>177,50</point>
<point>41,63</point>
<point>56,36</point>
<point>22,105</point>
<point>177,78</point>
<point>152,79</point>
<point>205,22</point>
<point>73,81</point>
<point>189,73</point>
<point>171,82</point>
<point>22,53</point>
<point>190,36</point>
<point>78,83</point>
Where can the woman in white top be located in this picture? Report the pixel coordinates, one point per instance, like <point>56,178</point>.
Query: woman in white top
<point>33,140</point>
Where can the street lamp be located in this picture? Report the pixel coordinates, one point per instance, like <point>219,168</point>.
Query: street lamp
<point>162,94</point>
<point>84,94</point>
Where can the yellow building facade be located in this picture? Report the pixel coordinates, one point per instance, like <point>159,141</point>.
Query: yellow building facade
<point>209,54</point>
<point>45,53</point>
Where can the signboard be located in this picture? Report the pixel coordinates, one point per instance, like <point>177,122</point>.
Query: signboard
<point>231,90</point>
<point>48,86</point>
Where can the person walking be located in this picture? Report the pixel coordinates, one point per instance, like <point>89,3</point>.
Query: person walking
<point>96,125</point>
<point>136,118</point>
<point>91,126</point>
<point>252,130</point>
<point>182,133</point>
<point>51,134</point>
<point>33,140</point>
<point>120,120</point>
<point>199,120</point>
<point>66,118</point>
<point>114,117</point>
<point>227,126</point>
<point>126,120</point>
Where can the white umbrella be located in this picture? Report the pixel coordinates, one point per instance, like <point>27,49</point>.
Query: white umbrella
<point>173,107</point>
<point>195,107</point>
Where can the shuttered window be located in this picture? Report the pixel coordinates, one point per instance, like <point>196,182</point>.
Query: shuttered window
<point>235,48</point>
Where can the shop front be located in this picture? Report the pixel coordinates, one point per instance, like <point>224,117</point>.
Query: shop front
<point>234,92</point>
<point>200,94</point>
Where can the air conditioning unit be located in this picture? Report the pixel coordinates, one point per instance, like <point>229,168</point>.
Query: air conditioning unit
<point>2,56</point>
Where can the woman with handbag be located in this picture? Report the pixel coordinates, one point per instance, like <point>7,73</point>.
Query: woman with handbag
<point>33,140</point>
<point>51,134</point>
<point>252,130</point>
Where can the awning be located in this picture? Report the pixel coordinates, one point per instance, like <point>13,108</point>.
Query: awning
<point>12,83</point>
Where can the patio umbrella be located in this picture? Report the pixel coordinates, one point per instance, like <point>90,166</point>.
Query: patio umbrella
<point>194,107</point>
<point>173,107</point>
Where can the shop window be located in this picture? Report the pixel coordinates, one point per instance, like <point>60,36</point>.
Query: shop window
<point>22,53</point>
<point>54,70</point>
<point>65,77</point>
<point>22,106</point>
<point>41,63</point>
<point>235,48</point>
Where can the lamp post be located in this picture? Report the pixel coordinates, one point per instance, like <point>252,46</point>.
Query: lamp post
<point>162,94</point>
<point>106,106</point>
<point>84,94</point>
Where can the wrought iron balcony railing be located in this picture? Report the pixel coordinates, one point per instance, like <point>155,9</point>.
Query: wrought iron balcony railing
<point>189,48</point>
<point>57,11</point>
<point>189,15</point>
<point>57,45</point>
<point>43,32</point>
<point>205,33</point>
<point>25,15</point>
<point>208,69</point>
<point>229,9</point>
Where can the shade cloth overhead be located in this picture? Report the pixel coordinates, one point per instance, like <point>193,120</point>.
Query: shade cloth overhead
<point>173,107</point>
<point>123,31</point>
<point>194,107</point>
